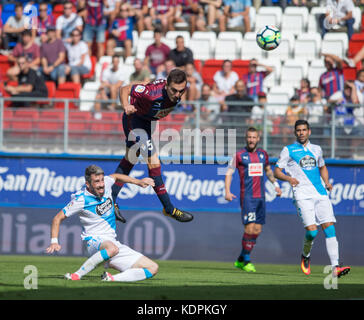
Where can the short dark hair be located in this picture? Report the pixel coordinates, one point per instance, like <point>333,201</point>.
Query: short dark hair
<point>176,76</point>
<point>92,169</point>
<point>359,72</point>
<point>26,32</point>
<point>18,4</point>
<point>251,129</point>
<point>301,122</point>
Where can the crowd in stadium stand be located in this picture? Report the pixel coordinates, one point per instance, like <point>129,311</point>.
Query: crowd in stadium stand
<point>60,49</point>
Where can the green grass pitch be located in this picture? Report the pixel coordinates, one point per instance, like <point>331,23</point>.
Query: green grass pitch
<point>176,280</point>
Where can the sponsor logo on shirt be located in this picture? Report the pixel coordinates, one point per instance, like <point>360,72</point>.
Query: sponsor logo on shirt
<point>308,163</point>
<point>104,207</point>
<point>139,89</point>
<point>255,169</point>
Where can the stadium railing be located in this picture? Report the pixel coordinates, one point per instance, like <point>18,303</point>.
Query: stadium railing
<point>58,126</point>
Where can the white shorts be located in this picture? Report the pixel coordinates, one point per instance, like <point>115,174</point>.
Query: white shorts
<point>315,211</point>
<point>124,260</point>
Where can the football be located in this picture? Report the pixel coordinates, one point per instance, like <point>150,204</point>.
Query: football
<point>268,38</point>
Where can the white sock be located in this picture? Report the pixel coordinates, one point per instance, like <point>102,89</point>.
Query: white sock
<point>92,262</point>
<point>133,274</point>
<point>332,247</point>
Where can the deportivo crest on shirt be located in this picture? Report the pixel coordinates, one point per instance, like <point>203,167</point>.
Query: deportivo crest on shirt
<point>104,207</point>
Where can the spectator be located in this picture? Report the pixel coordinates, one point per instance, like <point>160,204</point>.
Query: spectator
<point>210,107</point>
<point>338,13</point>
<point>45,21</point>
<point>78,57</point>
<point>295,111</point>
<point>139,9</point>
<point>224,81</point>
<point>236,14</point>
<point>111,10</point>
<point>195,82</point>
<point>26,48</point>
<point>122,32</point>
<point>345,118</point>
<point>257,115</point>
<point>95,26</point>
<point>140,74</point>
<point>304,91</point>
<point>239,96</point>
<point>29,84</point>
<point>269,3</point>
<point>212,9</point>
<point>67,22</point>
<point>332,80</point>
<point>359,84</point>
<point>254,79</point>
<point>111,81</point>
<point>181,55</point>
<point>317,107</point>
<point>317,112</point>
<point>161,13</point>
<point>156,54</point>
<point>169,65</point>
<point>14,27</point>
<point>187,11</point>
<point>53,56</point>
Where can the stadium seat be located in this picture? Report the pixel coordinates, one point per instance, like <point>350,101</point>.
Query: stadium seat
<point>101,65</point>
<point>276,11</point>
<point>272,79</point>
<point>171,43</point>
<point>173,35</point>
<point>198,65</point>
<point>201,49</point>
<point>333,46</point>
<point>7,11</point>
<point>231,35</point>
<point>91,74</point>
<point>109,125</point>
<point>67,90</point>
<point>8,118</point>
<point>250,50</point>
<point>78,124</point>
<point>292,72</point>
<point>338,36</point>
<point>24,122</point>
<point>285,48</point>
<point>298,11</point>
<point>241,67</point>
<point>315,70</point>
<point>88,95</point>
<point>307,46</point>
<point>355,44</point>
<point>209,69</point>
<point>226,49</point>
<point>70,87</point>
<point>146,34</point>
<point>135,41</point>
<point>294,19</point>
<point>143,44</point>
<point>266,19</point>
<point>129,60</point>
<point>279,96</point>
<point>51,86</point>
<point>50,124</point>
<point>127,70</point>
<point>349,73</point>
<point>5,64</point>
<point>209,35</point>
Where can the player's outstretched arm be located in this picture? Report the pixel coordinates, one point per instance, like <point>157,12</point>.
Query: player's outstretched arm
<point>57,220</point>
<point>272,179</point>
<point>122,178</point>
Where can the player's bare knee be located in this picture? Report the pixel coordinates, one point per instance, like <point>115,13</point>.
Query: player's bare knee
<point>112,250</point>
<point>153,268</point>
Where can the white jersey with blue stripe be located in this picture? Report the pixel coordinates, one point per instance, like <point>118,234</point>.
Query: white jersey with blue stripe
<point>96,214</point>
<point>303,163</point>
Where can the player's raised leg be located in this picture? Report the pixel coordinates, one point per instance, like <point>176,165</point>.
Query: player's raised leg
<point>154,168</point>
<point>311,233</point>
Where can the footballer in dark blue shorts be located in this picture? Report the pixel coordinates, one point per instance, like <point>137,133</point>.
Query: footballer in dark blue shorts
<point>251,162</point>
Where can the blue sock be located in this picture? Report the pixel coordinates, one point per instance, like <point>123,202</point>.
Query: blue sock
<point>330,231</point>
